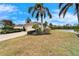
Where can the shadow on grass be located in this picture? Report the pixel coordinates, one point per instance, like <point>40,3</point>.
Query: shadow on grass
<point>35,33</point>
<point>39,34</point>
<point>77,35</point>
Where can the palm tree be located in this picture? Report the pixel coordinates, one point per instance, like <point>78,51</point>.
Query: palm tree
<point>39,11</point>
<point>64,8</point>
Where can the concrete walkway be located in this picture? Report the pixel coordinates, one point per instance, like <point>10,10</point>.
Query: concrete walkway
<point>72,31</point>
<point>12,35</point>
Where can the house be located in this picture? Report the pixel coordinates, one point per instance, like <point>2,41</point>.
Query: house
<point>19,26</point>
<point>8,22</point>
<point>5,22</point>
<point>1,25</point>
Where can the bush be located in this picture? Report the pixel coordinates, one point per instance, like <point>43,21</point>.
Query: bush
<point>47,31</point>
<point>8,27</point>
<point>76,28</point>
<point>45,24</point>
<point>3,32</point>
<point>35,26</point>
<point>39,31</point>
<point>6,31</point>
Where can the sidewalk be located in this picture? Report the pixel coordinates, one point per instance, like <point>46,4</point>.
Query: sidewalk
<point>12,35</point>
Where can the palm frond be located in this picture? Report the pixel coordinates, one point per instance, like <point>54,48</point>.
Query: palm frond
<point>48,12</point>
<point>37,15</point>
<point>64,13</point>
<point>60,5</point>
<point>33,12</point>
<point>30,9</point>
<point>44,14</point>
<point>76,8</point>
<point>64,9</point>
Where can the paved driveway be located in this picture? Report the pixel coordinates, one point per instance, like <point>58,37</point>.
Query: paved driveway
<point>12,35</point>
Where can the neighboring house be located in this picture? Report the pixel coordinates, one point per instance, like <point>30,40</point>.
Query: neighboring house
<point>20,26</point>
<point>1,25</point>
<point>8,22</point>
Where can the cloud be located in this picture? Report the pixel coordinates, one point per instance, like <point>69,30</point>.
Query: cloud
<point>7,8</point>
<point>68,19</point>
<point>11,12</point>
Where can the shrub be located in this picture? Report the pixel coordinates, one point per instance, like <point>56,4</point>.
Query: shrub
<point>8,27</point>
<point>39,31</point>
<point>6,31</point>
<point>76,28</point>
<point>35,26</point>
<point>45,24</point>
<point>3,32</point>
<point>47,31</point>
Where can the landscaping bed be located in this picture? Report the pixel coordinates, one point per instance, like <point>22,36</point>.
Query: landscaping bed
<point>10,31</point>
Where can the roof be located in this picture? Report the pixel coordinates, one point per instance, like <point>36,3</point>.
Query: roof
<point>19,25</point>
<point>31,23</point>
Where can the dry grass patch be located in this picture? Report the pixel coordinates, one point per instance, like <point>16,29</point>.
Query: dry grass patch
<point>57,43</point>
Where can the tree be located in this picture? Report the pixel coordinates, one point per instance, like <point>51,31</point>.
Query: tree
<point>64,8</point>
<point>39,11</point>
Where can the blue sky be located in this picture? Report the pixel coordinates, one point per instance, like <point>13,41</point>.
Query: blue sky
<point>18,13</point>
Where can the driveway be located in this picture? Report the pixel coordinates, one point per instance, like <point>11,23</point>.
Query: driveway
<point>12,35</point>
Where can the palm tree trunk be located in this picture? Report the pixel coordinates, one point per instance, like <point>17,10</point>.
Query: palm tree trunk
<point>78,16</point>
<point>42,24</point>
<point>37,21</point>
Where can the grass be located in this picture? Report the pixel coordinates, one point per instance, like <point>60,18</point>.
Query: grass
<point>57,43</point>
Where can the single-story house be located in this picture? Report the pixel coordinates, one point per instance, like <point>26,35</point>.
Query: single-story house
<point>1,24</point>
<point>19,26</point>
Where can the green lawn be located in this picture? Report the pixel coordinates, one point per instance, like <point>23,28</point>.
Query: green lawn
<point>57,43</point>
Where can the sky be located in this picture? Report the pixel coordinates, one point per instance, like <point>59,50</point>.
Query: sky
<point>18,13</point>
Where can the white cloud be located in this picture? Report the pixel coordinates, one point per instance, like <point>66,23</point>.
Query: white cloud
<point>68,19</point>
<point>8,11</point>
<point>7,8</point>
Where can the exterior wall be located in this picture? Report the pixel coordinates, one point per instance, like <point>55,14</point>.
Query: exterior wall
<point>18,27</point>
<point>29,28</point>
<point>1,26</point>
